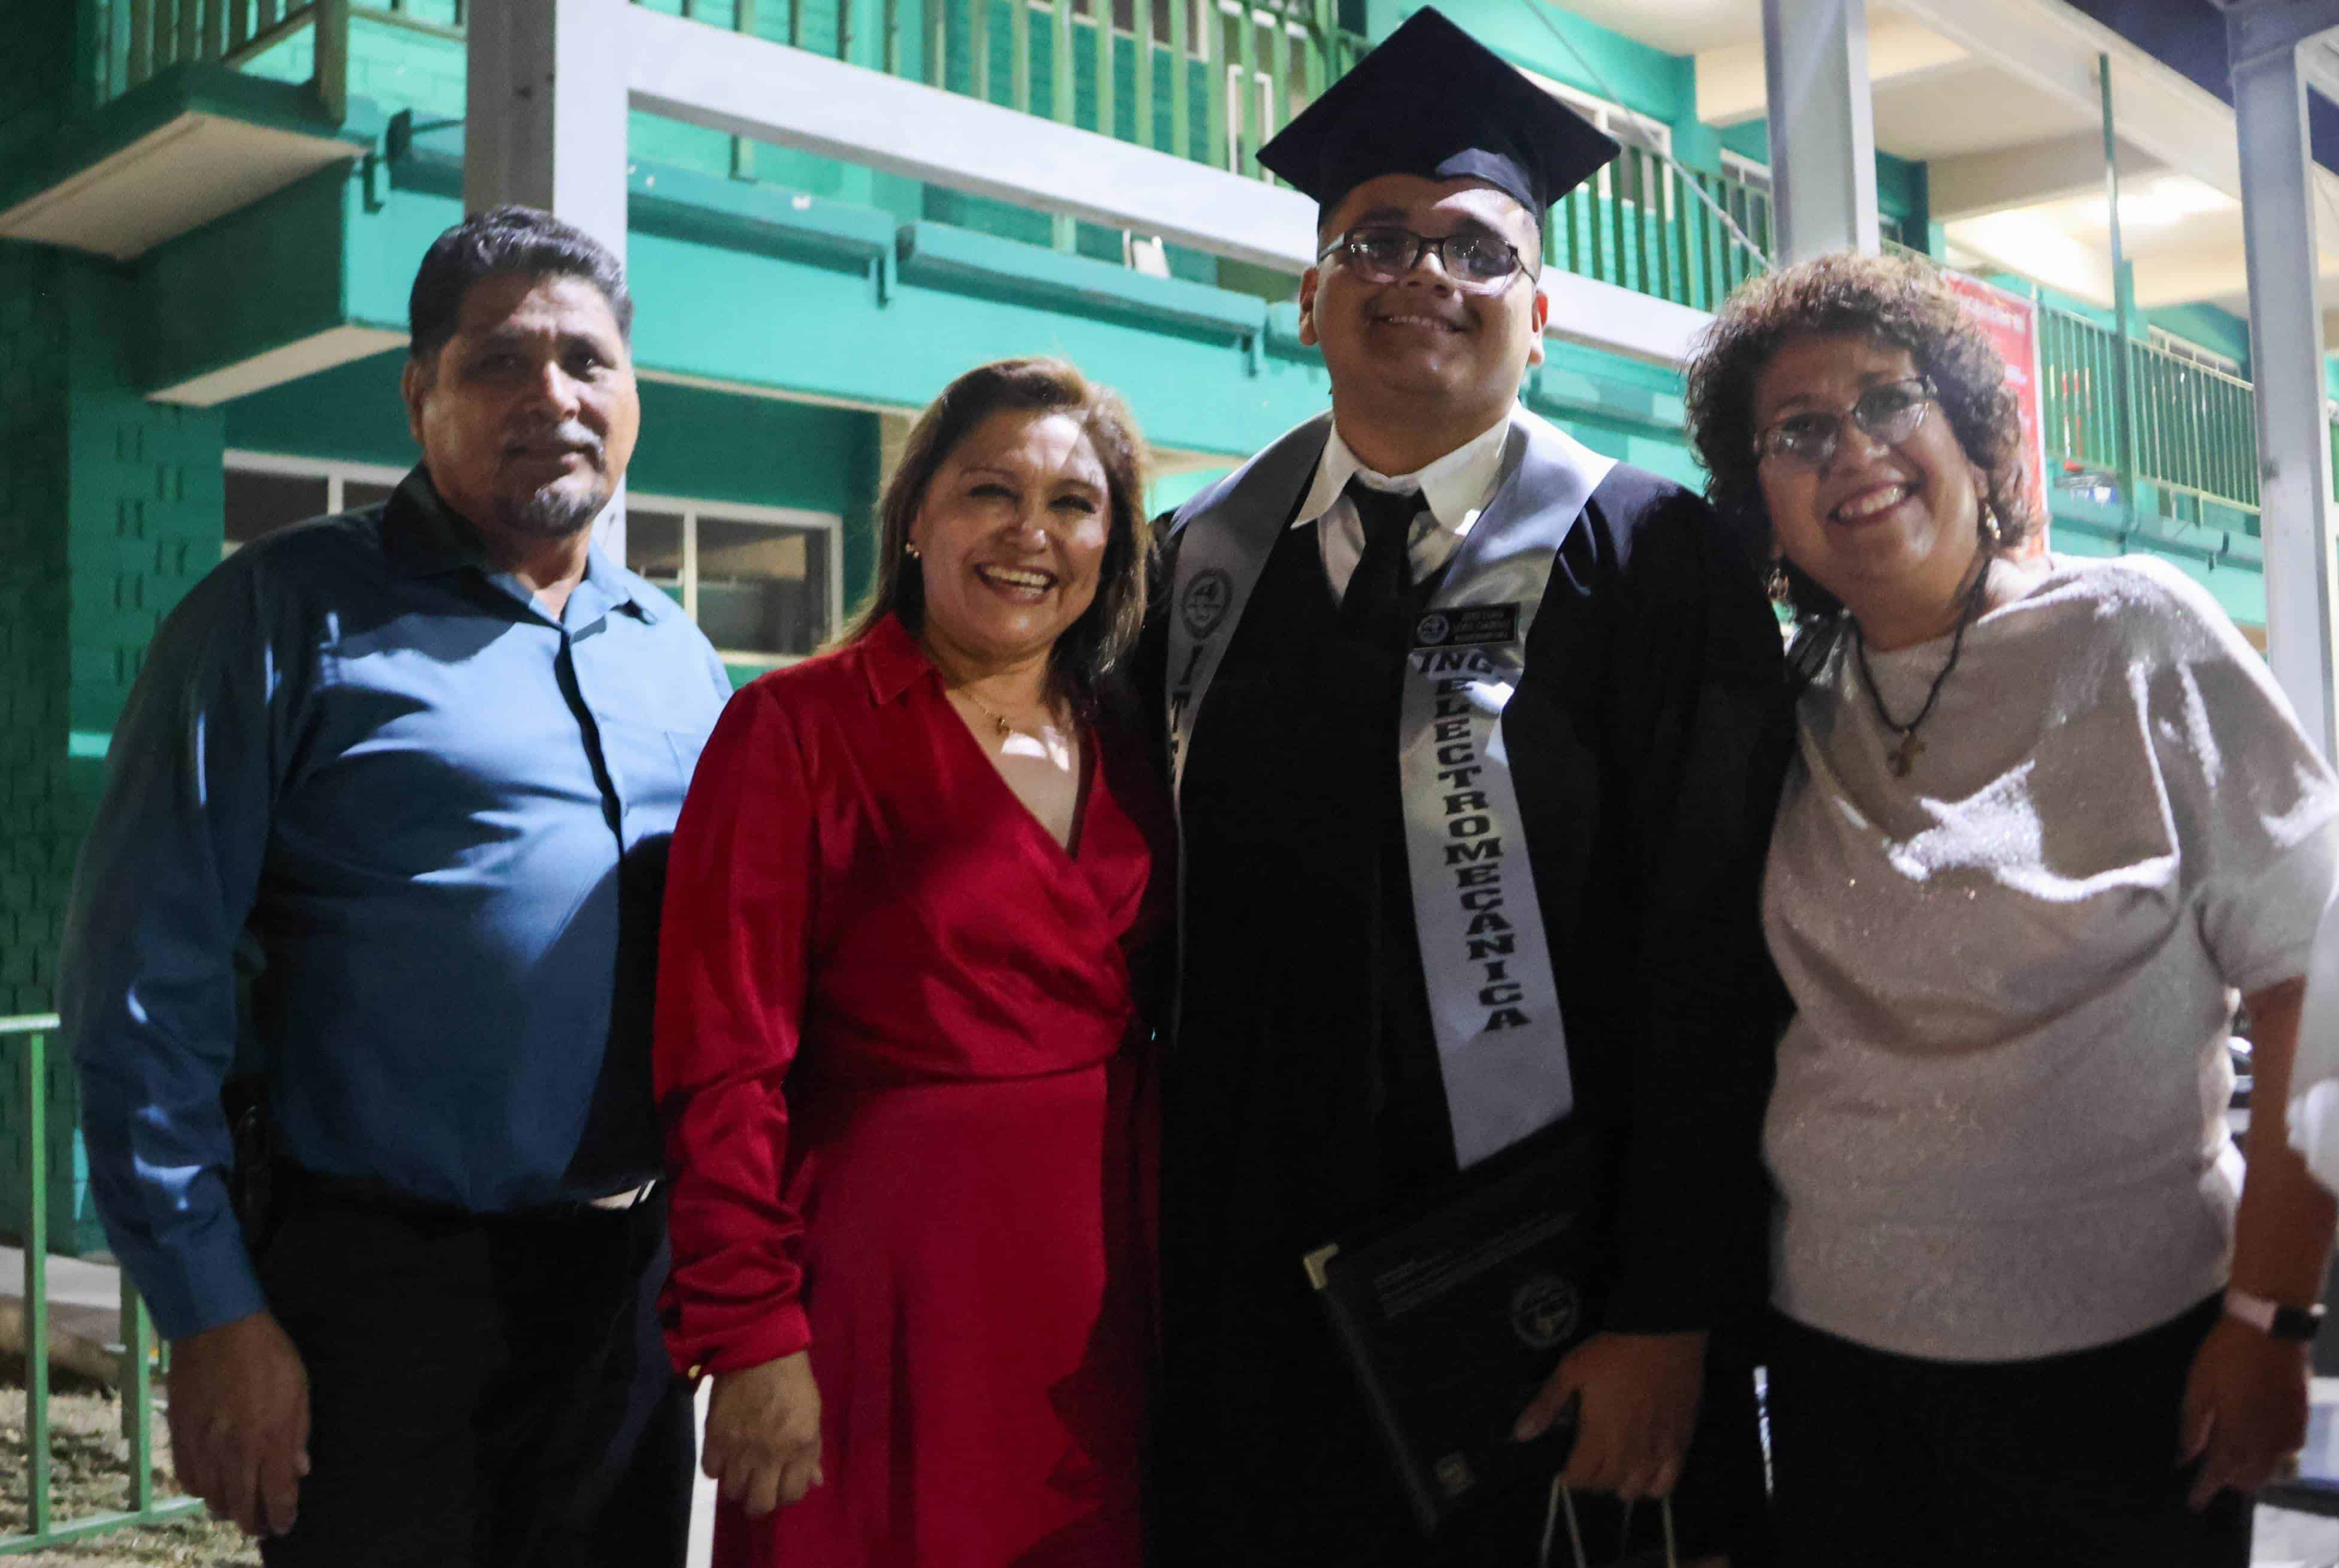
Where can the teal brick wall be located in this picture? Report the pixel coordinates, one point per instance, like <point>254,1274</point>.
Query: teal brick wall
<point>37,816</point>
<point>36,76</point>
<point>110,506</point>
<point>37,811</point>
<point>146,505</point>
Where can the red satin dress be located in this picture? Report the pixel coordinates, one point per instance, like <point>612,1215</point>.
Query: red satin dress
<point>898,1063</point>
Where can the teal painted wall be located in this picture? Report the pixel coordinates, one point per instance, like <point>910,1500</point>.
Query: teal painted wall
<point>351,412</point>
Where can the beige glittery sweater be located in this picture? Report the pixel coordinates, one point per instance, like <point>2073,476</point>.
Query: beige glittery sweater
<point>1998,1126</point>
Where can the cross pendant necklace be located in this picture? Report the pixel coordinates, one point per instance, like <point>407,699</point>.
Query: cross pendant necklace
<point>1902,758</point>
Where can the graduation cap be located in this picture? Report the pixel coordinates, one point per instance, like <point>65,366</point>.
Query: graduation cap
<point>1435,101</point>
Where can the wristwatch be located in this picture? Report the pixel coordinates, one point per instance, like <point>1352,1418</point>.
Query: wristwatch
<point>2272,1318</point>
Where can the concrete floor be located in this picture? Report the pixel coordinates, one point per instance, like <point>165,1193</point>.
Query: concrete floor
<point>85,1297</point>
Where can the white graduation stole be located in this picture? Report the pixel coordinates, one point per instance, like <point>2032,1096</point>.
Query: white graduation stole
<point>1502,1050</point>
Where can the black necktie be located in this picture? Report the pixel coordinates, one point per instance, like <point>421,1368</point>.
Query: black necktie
<point>1378,604</point>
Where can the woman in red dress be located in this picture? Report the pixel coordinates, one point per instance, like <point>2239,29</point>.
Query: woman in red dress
<point>899,1028</point>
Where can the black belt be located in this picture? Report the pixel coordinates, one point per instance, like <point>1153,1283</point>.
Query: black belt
<point>370,1195</point>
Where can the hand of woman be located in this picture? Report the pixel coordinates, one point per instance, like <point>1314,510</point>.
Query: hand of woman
<point>2245,1409</point>
<point>763,1435</point>
<point>1640,1397</point>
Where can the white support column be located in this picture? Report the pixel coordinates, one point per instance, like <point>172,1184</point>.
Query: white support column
<point>545,112</point>
<point>1822,129</point>
<point>2287,359</point>
<point>545,126</point>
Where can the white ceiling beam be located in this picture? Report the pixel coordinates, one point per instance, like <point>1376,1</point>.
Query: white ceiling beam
<point>1824,141</point>
<point>1603,316</point>
<point>745,86</point>
<point>2286,365</point>
<point>174,179</point>
<point>2181,276</point>
<point>1730,80</point>
<point>1974,184</point>
<point>285,362</point>
<point>545,112</point>
<point>2054,48</point>
<point>2019,243</point>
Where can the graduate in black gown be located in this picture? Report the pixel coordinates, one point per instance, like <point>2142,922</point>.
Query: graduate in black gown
<point>1414,933</point>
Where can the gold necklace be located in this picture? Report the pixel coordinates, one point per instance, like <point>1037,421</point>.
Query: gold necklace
<point>998,720</point>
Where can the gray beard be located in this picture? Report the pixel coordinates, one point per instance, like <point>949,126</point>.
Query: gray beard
<point>549,514</point>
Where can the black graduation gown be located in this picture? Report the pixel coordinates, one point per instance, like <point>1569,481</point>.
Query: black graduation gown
<point>1301,1095</point>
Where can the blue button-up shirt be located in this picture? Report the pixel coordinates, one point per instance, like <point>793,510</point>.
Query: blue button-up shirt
<point>437,819</point>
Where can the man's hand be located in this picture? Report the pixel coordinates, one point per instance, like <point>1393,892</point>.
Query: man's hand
<point>240,1422</point>
<point>1640,1396</point>
<point>763,1433</point>
<point>2245,1409</point>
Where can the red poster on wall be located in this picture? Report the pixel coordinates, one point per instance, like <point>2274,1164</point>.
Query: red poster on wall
<point>2011,322</point>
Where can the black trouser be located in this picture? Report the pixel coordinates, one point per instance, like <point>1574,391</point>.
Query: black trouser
<point>484,1391</point>
<point>1336,1502</point>
<point>2069,1460</point>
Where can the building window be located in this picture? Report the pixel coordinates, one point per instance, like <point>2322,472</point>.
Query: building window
<point>761,582</point>
<point>266,492</point>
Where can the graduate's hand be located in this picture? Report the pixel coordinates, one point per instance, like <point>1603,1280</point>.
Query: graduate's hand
<point>239,1419</point>
<point>1639,1396</point>
<point>2245,1409</point>
<point>763,1433</point>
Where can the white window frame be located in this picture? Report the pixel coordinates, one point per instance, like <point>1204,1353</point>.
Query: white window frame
<point>337,473</point>
<point>691,508</point>
<point>1612,119</point>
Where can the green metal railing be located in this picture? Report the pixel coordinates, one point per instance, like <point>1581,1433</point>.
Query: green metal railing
<point>1641,226</point>
<point>139,1353</point>
<point>2197,428</point>
<point>1193,80</point>
<point>1201,82</point>
<point>135,41</point>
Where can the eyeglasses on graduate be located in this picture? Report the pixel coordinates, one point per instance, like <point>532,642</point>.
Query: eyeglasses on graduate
<point>1887,414</point>
<point>1474,261</point>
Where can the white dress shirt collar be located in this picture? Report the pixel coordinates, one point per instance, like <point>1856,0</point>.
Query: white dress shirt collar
<point>1456,487</point>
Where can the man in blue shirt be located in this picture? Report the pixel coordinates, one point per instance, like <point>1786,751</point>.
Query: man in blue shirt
<point>405,777</point>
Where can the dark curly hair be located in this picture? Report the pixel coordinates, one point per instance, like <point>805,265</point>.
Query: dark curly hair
<point>1896,299</point>
<point>1092,645</point>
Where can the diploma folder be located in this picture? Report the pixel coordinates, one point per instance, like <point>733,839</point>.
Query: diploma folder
<point>1454,1314</point>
